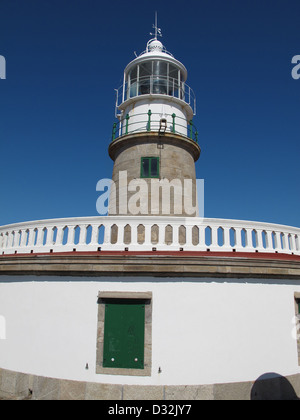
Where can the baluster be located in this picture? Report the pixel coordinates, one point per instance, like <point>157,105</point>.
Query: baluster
<point>71,235</point>
<point>249,242</point>
<point>10,239</point>
<point>147,234</point>
<point>214,237</point>
<point>120,238</point>
<point>189,236</point>
<point>134,234</point>
<point>40,237</point>
<point>227,237</point>
<point>16,239</point>
<point>201,236</point>
<point>59,236</point>
<point>23,238</point>
<point>238,239</point>
<point>269,241</point>
<point>50,234</point>
<point>175,235</point>
<point>161,234</point>
<point>31,236</point>
<point>293,243</point>
<point>94,237</point>
<point>277,238</point>
<point>285,242</point>
<point>107,233</point>
<point>259,244</point>
<point>83,233</point>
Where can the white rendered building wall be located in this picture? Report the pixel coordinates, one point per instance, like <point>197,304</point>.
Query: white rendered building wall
<point>204,331</point>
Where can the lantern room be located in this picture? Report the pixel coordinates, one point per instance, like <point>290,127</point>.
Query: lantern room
<point>154,90</point>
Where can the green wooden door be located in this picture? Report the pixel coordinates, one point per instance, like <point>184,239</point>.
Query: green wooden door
<point>124,335</point>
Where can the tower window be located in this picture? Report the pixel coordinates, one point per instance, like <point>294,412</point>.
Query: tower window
<point>150,167</point>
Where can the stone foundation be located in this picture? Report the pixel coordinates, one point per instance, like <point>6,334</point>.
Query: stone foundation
<point>20,386</point>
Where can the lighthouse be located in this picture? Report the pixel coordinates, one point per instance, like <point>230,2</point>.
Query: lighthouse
<point>154,140</point>
<point>152,301</point>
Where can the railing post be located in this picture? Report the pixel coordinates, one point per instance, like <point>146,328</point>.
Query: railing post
<point>191,129</point>
<point>173,126</point>
<point>127,123</point>
<point>149,120</point>
<point>196,136</point>
<point>114,131</point>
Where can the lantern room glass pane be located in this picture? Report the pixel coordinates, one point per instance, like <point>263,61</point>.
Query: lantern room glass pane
<point>157,77</point>
<point>160,77</point>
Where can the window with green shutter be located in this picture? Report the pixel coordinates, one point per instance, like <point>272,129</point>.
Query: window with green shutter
<point>124,334</point>
<point>150,167</point>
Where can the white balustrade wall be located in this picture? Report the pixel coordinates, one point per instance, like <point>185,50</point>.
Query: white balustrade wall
<point>172,233</point>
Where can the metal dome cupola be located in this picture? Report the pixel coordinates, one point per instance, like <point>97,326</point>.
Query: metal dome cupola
<point>154,90</point>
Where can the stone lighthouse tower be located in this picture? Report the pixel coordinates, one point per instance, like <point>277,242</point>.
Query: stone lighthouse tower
<point>155,142</point>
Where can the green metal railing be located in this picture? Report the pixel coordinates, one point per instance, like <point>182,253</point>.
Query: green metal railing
<point>152,122</point>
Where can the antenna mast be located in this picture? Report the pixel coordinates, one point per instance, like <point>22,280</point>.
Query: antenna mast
<point>157,30</point>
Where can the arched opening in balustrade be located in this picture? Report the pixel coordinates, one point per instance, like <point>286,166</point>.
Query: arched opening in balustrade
<point>154,234</point>
<point>54,234</point>
<point>65,235</point>
<point>282,241</point>
<point>289,242</point>
<point>297,243</point>
<point>16,239</point>
<point>127,234</point>
<point>35,234</point>
<point>220,235</point>
<point>244,240</point>
<point>168,235</point>
<point>232,237</point>
<point>208,236</point>
<point>182,235</point>
<point>254,238</point>
<point>44,235</point>
<point>264,239</point>
<point>6,240</point>
<point>140,234</point>
<point>89,231</point>
<point>195,236</point>
<point>274,242</point>
<point>1,240</point>
<point>114,234</point>
<point>101,233</point>
<point>27,237</point>
<point>76,235</point>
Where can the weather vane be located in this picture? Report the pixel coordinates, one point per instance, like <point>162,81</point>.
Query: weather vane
<point>157,30</point>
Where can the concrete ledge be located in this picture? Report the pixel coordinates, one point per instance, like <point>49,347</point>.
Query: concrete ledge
<point>134,139</point>
<point>20,386</point>
<point>178,264</point>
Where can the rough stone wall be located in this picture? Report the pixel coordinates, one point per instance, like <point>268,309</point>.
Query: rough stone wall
<point>177,162</point>
<point>20,386</point>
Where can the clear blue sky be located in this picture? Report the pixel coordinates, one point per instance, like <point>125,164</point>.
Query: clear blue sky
<point>64,59</point>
